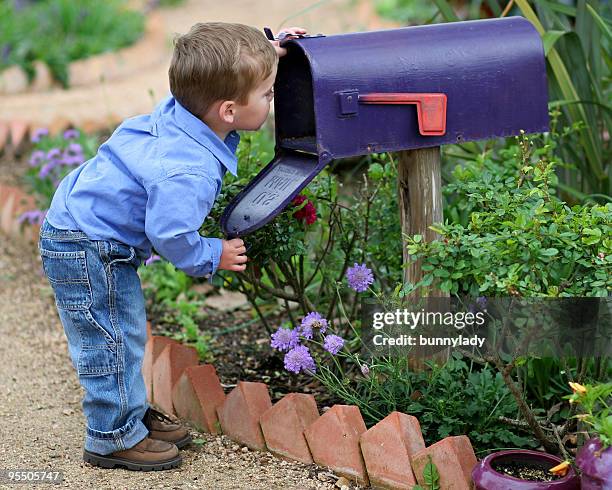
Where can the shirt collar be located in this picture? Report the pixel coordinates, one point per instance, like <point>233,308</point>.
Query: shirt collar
<point>225,151</point>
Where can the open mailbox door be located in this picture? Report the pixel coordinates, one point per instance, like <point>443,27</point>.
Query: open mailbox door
<point>267,195</point>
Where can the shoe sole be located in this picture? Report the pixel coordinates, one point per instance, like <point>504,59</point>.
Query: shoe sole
<point>114,462</point>
<point>181,443</point>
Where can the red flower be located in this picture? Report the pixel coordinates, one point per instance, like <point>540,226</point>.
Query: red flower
<point>299,199</point>
<point>308,212</point>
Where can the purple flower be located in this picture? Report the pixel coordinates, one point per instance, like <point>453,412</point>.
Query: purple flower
<point>72,159</point>
<point>359,277</point>
<point>71,134</point>
<point>46,168</point>
<point>365,370</point>
<point>36,158</point>
<point>333,343</point>
<point>38,134</point>
<point>285,338</point>
<point>479,305</point>
<point>153,258</point>
<point>34,216</point>
<point>74,149</point>
<point>54,154</point>
<point>310,321</point>
<point>298,359</point>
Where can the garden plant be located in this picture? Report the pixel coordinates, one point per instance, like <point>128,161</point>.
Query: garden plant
<point>57,32</point>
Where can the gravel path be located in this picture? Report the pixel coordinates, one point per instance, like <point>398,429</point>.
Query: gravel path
<point>40,404</point>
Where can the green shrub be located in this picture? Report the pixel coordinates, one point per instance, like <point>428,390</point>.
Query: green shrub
<point>407,12</point>
<point>521,239</point>
<point>60,31</point>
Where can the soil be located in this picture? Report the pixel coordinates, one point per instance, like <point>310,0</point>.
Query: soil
<point>244,354</point>
<point>525,471</point>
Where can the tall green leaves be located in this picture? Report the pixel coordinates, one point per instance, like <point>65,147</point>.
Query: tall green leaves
<point>580,86</point>
<point>577,45</point>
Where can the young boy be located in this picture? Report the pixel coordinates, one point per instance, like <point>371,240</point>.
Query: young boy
<point>152,183</point>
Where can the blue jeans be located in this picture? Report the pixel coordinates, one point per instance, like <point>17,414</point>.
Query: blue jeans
<point>99,299</point>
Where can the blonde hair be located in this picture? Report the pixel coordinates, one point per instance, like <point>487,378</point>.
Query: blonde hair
<point>219,61</point>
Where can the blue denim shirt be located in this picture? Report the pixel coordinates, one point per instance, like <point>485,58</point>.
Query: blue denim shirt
<point>152,183</point>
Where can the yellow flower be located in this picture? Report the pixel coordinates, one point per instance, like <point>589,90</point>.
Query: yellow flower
<point>578,388</point>
<point>560,469</point>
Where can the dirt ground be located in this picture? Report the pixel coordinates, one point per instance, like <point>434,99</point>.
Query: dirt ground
<point>40,406</point>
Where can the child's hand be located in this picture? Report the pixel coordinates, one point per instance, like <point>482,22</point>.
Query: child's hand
<point>289,31</point>
<point>231,255</point>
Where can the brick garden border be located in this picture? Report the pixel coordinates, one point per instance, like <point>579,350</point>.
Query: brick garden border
<point>390,455</point>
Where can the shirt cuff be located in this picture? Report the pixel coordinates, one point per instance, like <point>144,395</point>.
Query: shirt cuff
<point>217,248</point>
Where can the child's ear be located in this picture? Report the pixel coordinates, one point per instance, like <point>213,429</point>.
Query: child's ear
<point>227,111</point>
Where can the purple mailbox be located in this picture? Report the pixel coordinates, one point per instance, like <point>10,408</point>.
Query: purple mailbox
<point>390,90</point>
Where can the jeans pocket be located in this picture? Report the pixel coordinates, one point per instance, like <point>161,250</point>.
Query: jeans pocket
<point>97,360</point>
<point>67,274</point>
<point>116,252</point>
<point>92,343</point>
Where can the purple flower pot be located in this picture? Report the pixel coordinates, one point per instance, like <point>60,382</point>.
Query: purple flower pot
<point>596,466</point>
<point>486,478</point>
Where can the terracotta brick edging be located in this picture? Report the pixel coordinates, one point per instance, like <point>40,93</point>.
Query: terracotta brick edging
<point>390,455</point>
<point>14,201</point>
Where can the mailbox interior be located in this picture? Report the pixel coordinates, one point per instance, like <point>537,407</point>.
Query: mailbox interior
<point>294,103</point>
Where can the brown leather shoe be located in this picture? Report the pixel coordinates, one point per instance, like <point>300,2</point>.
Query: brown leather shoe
<point>149,454</point>
<point>165,429</point>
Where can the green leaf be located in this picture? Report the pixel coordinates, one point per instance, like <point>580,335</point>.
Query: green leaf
<point>376,171</point>
<point>431,476</point>
<point>550,38</point>
<point>593,235</point>
<point>603,27</point>
<point>446,10</point>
